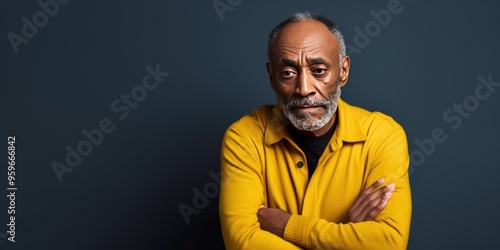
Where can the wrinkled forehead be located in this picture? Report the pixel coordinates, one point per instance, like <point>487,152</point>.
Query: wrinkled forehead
<point>305,39</point>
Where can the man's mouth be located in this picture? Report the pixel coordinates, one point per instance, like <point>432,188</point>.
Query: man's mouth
<point>306,108</point>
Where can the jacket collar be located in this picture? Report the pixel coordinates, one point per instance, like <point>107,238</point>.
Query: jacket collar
<point>348,128</point>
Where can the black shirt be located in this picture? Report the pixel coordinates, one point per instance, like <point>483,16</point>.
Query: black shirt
<point>312,147</point>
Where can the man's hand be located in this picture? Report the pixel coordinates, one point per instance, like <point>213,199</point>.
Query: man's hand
<point>370,203</point>
<point>366,207</point>
<point>273,220</point>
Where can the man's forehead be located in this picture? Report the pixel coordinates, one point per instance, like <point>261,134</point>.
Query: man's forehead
<point>295,61</point>
<point>306,30</point>
<point>296,56</point>
<point>310,37</point>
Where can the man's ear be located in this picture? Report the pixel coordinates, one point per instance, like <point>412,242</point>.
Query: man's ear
<point>344,74</point>
<point>270,74</point>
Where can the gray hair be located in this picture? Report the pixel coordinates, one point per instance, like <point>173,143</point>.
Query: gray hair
<point>304,16</point>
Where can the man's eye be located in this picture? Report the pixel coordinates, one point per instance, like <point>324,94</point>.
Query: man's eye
<point>319,71</point>
<point>287,73</point>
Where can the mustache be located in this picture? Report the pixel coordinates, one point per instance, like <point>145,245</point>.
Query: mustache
<point>311,101</point>
<point>306,101</point>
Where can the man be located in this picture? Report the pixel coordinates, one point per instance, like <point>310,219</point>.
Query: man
<point>312,171</point>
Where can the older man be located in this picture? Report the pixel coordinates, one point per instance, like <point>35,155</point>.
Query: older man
<point>313,171</point>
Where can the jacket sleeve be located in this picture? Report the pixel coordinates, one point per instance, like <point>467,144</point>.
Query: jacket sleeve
<point>387,157</point>
<point>241,195</point>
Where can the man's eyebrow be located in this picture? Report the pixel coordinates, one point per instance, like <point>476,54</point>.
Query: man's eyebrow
<point>288,62</point>
<point>317,60</point>
<point>313,60</point>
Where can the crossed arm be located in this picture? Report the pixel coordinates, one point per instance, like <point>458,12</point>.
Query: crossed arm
<point>367,207</point>
<point>372,222</point>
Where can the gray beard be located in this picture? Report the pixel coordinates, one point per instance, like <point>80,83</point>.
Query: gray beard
<point>303,122</point>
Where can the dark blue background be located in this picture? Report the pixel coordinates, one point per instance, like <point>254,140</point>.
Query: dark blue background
<point>126,193</point>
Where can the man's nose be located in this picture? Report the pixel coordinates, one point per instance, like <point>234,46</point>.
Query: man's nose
<point>305,85</point>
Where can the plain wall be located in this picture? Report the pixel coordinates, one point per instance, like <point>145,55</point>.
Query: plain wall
<point>125,194</point>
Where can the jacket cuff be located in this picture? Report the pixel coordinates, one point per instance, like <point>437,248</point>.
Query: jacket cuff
<point>297,230</point>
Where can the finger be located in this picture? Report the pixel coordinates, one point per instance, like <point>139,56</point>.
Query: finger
<point>262,206</point>
<point>376,195</point>
<point>374,199</point>
<point>364,199</point>
<point>367,208</point>
<point>261,213</point>
<point>365,193</point>
<point>373,213</point>
<point>369,202</point>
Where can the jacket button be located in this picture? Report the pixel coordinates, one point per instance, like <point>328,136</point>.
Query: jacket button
<point>300,164</point>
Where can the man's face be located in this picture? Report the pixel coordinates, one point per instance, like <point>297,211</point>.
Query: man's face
<point>305,74</point>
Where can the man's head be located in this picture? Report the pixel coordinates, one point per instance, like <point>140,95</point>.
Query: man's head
<point>307,66</point>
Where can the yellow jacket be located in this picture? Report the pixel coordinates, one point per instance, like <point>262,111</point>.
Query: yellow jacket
<point>260,165</point>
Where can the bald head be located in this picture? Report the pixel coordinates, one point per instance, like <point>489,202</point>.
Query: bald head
<point>305,37</point>
<point>307,16</point>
